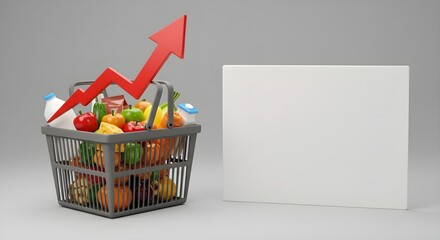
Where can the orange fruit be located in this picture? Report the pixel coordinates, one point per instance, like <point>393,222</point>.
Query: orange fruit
<point>121,180</point>
<point>177,121</point>
<point>122,197</point>
<point>152,155</point>
<point>142,105</point>
<point>99,159</point>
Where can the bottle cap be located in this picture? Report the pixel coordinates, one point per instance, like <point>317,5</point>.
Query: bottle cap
<point>188,108</point>
<point>49,96</point>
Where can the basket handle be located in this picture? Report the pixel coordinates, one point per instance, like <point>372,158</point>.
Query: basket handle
<point>170,92</point>
<point>157,97</point>
<point>81,83</point>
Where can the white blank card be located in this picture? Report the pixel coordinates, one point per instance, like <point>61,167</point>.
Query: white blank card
<point>316,135</point>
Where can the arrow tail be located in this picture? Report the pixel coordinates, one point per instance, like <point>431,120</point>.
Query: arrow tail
<point>109,76</point>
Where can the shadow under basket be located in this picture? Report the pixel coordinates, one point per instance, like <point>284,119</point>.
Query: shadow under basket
<point>121,174</point>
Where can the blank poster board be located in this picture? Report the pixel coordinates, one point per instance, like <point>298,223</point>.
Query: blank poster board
<point>316,135</point>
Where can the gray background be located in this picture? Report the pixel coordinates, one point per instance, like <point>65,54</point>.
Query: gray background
<point>47,45</point>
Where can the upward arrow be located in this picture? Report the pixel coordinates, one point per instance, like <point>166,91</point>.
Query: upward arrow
<point>170,39</point>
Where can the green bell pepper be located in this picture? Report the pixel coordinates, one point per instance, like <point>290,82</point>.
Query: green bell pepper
<point>133,153</point>
<point>99,111</point>
<point>87,150</point>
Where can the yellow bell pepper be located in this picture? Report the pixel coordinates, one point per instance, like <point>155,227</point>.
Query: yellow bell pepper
<point>157,119</point>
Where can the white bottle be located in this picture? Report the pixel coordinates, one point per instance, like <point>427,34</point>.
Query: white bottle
<point>52,105</point>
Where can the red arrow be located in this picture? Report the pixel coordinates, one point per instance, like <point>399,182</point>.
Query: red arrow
<point>170,39</point>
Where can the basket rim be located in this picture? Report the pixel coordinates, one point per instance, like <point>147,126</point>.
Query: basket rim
<point>120,137</point>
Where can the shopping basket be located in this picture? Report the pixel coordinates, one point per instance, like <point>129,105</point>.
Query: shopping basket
<point>93,173</point>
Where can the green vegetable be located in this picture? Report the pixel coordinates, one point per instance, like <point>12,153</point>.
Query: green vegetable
<point>93,192</point>
<point>154,176</point>
<point>99,111</point>
<point>87,151</point>
<point>133,153</point>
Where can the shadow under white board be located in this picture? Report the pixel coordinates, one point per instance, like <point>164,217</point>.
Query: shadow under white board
<point>318,135</point>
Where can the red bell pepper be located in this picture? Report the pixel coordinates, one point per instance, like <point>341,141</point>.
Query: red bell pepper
<point>86,122</point>
<point>133,126</point>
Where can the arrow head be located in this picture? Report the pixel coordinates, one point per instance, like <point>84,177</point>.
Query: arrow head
<point>172,37</point>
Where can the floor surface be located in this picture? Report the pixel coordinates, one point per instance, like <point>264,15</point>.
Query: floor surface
<point>33,212</point>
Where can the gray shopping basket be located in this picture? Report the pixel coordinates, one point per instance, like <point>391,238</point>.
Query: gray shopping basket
<point>96,173</point>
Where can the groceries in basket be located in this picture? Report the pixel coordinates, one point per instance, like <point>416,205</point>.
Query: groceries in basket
<point>145,187</point>
<point>113,115</point>
<point>130,190</point>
